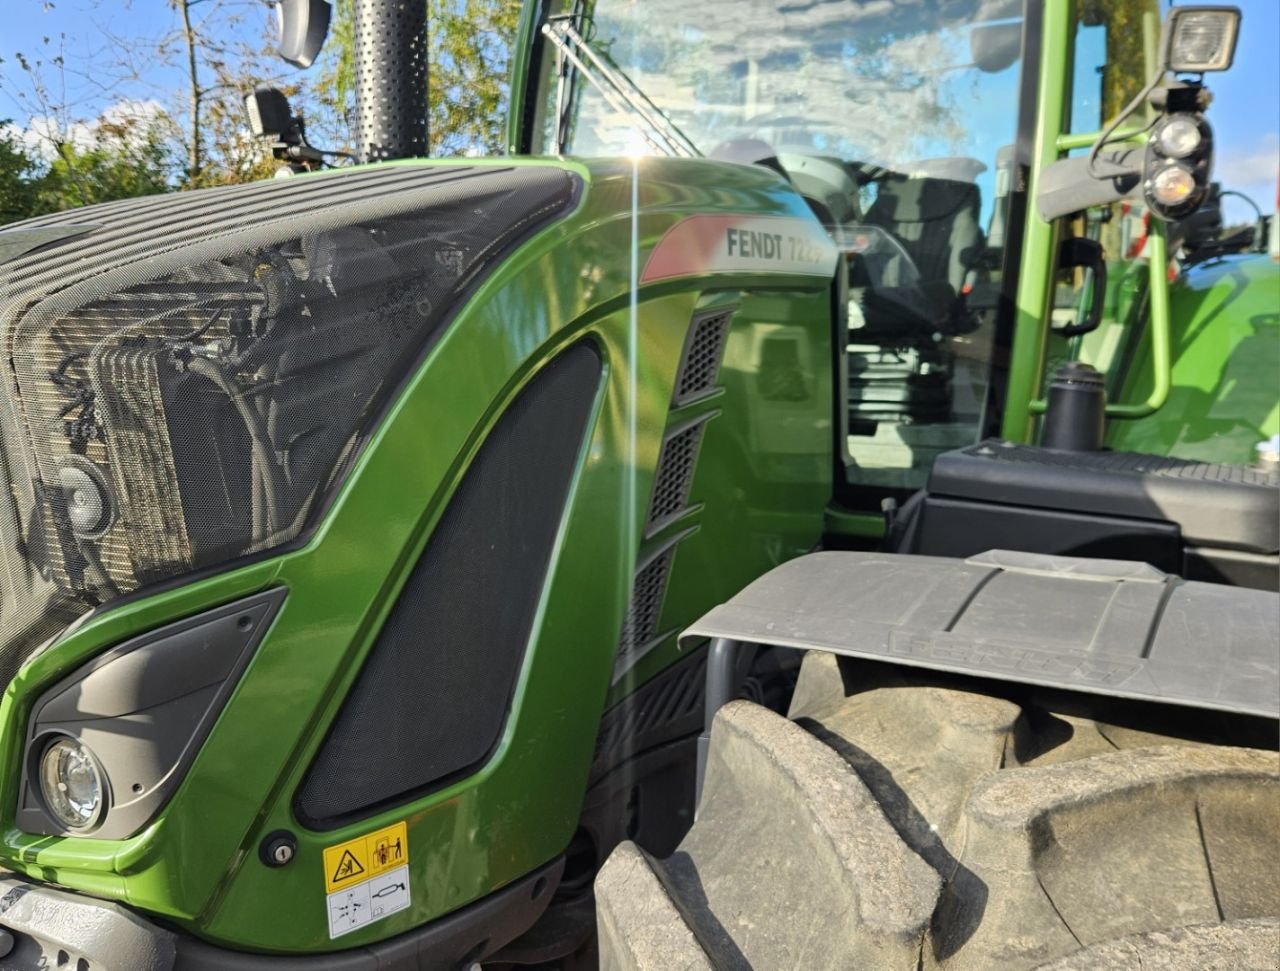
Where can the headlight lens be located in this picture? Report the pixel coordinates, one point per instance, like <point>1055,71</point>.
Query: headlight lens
<point>1202,40</point>
<point>1173,185</point>
<point>72,783</point>
<point>1179,137</point>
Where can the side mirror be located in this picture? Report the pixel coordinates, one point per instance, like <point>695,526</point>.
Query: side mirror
<point>1068,185</point>
<point>995,47</point>
<point>303,26</point>
<point>271,117</point>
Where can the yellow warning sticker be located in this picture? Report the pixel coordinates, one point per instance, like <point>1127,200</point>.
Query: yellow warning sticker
<point>359,859</point>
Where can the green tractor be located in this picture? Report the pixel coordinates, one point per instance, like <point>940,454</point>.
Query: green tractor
<point>382,545</point>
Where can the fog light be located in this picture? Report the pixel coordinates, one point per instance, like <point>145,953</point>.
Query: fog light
<point>1173,186</point>
<point>71,783</point>
<point>1178,137</point>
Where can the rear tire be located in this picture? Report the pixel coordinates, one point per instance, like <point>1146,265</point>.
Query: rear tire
<point>913,826</point>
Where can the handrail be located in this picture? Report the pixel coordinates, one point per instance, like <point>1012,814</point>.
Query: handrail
<point>1069,140</point>
<point>1161,342</point>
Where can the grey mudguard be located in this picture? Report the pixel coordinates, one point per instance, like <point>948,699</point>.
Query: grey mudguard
<point>1106,627</point>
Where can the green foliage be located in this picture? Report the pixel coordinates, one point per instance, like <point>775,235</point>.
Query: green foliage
<point>121,160</point>
<point>1126,70</point>
<point>469,48</point>
<point>183,143</point>
<point>17,174</point>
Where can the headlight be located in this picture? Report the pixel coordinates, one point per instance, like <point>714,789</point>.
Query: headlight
<point>1178,137</point>
<point>1172,186</point>
<point>109,743</point>
<point>71,783</point>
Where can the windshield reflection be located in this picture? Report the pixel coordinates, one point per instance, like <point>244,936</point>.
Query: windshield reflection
<point>895,122</point>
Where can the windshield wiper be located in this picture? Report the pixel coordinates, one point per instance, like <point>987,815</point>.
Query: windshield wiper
<point>619,91</point>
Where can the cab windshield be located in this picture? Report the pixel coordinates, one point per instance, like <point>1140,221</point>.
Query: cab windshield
<point>894,121</point>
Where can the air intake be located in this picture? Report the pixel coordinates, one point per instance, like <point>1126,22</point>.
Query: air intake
<point>674,474</point>
<point>647,594</point>
<point>700,362</point>
<point>430,702</point>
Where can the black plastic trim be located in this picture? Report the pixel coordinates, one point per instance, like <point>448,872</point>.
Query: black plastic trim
<point>448,944</point>
<point>213,654</point>
<point>73,930</point>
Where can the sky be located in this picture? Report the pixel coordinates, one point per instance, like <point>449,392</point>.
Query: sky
<point>1245,113</point>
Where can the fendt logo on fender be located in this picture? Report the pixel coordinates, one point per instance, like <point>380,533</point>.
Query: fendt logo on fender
<point>746,242</point>
<point>709,243</point>
<point>771,246</point>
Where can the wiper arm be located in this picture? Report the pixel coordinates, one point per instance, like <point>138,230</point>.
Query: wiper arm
<point>619,91</point>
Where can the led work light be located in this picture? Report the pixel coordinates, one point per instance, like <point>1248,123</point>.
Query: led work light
<point>1199,39</point>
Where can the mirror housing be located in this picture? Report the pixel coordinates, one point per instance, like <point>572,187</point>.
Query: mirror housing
<point>995,47</point>
<point>271,118</point>
<point>303,26</point>
<point>1068,186</point>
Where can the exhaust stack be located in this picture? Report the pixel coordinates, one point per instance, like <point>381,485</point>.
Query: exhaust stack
<point>391,78</point>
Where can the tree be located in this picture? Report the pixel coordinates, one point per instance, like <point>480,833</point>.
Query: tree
<point>123,160</point>
<point>222,58</point>
<point>210,55</point>
<point>469,51</point>
<point>469,46</point>
<point>17,171</point>
<point>111,159</point>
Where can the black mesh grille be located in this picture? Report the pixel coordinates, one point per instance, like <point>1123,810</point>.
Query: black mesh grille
<point>184,381</point>
<point>663,708</point>
<point>700,363</point>
<point>641,623</point>
<point>430,702</point>
<point>674,475</point>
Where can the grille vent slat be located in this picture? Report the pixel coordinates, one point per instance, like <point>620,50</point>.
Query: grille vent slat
<point>647,594</point>
<point>673,479</point>
<point>700,363</point>
<point>674,475</point>
<point>666,707</point>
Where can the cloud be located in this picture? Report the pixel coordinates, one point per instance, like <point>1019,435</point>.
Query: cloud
<point>42,133</point>
<point>1256,165</point>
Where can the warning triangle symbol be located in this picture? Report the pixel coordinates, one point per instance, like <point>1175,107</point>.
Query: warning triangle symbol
<point>348,867</point>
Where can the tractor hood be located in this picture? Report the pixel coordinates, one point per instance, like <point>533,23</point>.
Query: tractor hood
<point>186,377</point>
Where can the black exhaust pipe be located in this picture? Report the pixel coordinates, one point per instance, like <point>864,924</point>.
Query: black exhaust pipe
<point>391,78</point>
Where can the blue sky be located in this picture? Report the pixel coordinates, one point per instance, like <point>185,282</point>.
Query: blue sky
<point>1245,113</point>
